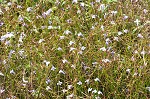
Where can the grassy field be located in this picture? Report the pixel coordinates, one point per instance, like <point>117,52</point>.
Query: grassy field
<point>75,49</point>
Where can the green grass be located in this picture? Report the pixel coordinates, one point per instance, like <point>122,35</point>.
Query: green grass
<point>48,56</point>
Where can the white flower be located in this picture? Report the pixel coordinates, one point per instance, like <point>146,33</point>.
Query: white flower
<point>80,52</point>
<point>61,72</point>
<point>46,62</point>
<point>29,9</point>
<point>25,81</point>
<point>94,91</point>
<point>59,83</point>
<point>41,40</point>
<point>128,70</point>
<point>12,72</point>
<point>114,12</point>
<point>140,36</point>
<point>73,66</point>
<point>143,52</point>
<point>71,42</point>
<point>93,16</point>
<point>116,39</point>
<point>99,92</point>
<point>62,37</point>
<point>79,83</point>
<point>8,35</point>
<point>79,11</point>
<point>82,4</point>
<point>59,49</point>
<point>106,60</point>
<point>87,81</point>
<point>70,86</point>
<point>94,63</point>
<point>112,22</point>
<point>97,79</point>
<point>64,90</point>
<point>48,12</point>
<point>48,81</point>
<point>1,74</point>
<point>102,7</point>
<point>89,89</point>
<point>64,61</point>
<point>97,1</point>
<point>72,48</point>
<point>120,33</point>
<point>137,21</point>
<point>136,52</point>
<point>74,1</point>
<point>80,34</point>
<point>50,27</point>
<point>148,88</point>
<point>9,3</point>
<point>48,88</point>
<point>1,91</point>
<point>125,31</point>
<point>53,68</point>
<point>125,17</point>
<point>103,49</point>
<point>102,27</point>
<point>67,32</point>
<point>145,11</point>
<point>70,96</point>
<point>83,48</point>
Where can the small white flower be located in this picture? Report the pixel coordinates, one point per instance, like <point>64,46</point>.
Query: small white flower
<point>82,4</point>
<point>145,11</point>
<point>125,31</point>
<point>70,86</point>
<point>106,60</point>
<point>97,79</point>
<point>128,70</point>
<point>48,88</point>
<point>9,3</point>
<point>48,81</point>
<point>8,35</point>
<point>48,12</point>
<point>143,52</point>
<point>93,16</point>
<point>41,40</point>
<point>61,72</point>
<point>71,42</point>
<point>73,66</point>
<point>120,33</point>
<point>102,27</point>
<point>102,7</point>
<point>97,1</point>
<point>94,63</point>
<point>87,81</point>
<point>125,17</point>
<point>29,9</point>
<point>94,91</point>
<point>116,39</point>
<point>67,32</point>
<point>99,92</point>
<point>148,88</point>
<point>140,36</point>
<point>46,62</point>
<point>59,49</point>
<point>136,52</point>
<point>59,83</point>
<point>12,72</point>
<point>80,34</point>
<point>1,74</point>
<point>50,27</point>
<point>114,12</point>
<point>53,68</point>
<point>80,52</point>
<point>74,1</point>
<point>79,83</point>
<point>70,96</point>
<point>1,91</point>
<point>137,21</point>
<point>64,90</point>
<point>103,49</point>
<point>62,37</point>
<point>89,90</point>
<point>64,61</point>
<point>25,81</point>
<point>83,48</point>
<point>72,48</point>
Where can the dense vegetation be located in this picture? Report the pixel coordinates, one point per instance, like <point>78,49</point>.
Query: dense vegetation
<point>75,49</point>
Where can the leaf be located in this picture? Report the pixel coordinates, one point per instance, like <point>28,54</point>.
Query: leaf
<point>109,1</point>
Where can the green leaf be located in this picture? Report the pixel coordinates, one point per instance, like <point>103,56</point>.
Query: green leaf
<point>111,1</point>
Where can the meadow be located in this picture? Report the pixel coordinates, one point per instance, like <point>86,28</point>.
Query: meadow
<point>74,49</point>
